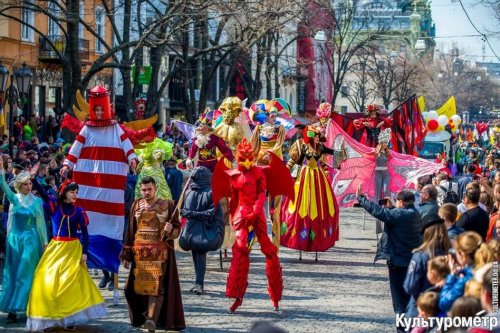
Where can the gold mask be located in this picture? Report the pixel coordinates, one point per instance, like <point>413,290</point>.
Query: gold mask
<point>231,108</point>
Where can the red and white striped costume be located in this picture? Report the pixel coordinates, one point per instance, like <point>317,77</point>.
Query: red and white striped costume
<point>99,158</point>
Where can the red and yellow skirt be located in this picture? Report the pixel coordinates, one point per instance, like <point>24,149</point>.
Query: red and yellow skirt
<point>311,223</point>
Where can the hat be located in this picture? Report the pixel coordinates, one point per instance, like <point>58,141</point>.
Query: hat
<point>372,108</point>
<point>385,136</point>
<point>430,220</point>
<point>324,110</point>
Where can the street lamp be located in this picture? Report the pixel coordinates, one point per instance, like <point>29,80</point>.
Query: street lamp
<point>23,80</point>
<point>420,45</point>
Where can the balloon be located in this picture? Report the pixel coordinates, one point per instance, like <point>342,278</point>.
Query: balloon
<point>456,119</point>
<point>440,128</point>
<point>442,120</point>
<point>433,115</point>
<point>425,114</point>
<point>432,125</point>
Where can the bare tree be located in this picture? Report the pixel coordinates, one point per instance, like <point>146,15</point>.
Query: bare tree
<point>346,38</point>
<point>359,90</point>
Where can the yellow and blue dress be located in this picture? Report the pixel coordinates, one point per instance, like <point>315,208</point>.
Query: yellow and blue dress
<point>26,236</point>
<point>63,293</point>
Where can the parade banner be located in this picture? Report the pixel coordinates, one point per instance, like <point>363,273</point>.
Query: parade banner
<point>421,103</point>
<point>449,108</point>
<point>359,168</point>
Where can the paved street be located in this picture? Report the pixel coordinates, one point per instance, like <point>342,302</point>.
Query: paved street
<point>343,292</point>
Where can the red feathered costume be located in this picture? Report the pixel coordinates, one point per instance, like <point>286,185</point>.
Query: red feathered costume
<point>246,189</point>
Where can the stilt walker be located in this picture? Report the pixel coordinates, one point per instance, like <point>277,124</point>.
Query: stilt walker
<point>246,188</point>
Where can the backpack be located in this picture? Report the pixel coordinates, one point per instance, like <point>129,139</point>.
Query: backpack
<point>450,196</point>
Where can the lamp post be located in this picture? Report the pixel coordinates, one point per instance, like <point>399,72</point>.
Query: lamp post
<point>23,80</point>
<point>4,73</point>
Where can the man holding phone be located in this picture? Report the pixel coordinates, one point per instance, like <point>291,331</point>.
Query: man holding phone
<point>401,235</point>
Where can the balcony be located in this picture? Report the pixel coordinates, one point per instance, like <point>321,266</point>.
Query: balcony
<point>49,55</point>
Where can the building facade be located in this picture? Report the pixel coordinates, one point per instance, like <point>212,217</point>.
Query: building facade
<point>28,43</point>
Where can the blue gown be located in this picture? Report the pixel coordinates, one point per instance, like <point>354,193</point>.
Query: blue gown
<point>26,236</point>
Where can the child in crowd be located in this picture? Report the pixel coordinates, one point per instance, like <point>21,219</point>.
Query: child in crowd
<point>427,305</point>
<point>437,271</point>
<point>471,253</point>
<point>448,212</point>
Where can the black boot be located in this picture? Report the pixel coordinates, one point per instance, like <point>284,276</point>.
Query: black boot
<point>105,280</point>
<point>11,318</point>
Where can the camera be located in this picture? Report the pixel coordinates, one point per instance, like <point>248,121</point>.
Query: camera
<point>382,202</point>
<point>453,253</point>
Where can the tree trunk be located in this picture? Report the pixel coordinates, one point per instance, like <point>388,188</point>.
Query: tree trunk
<point>126,72</point>
<point>73,51</point>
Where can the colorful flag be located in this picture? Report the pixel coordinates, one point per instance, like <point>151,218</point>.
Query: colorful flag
<point>421,103</point>
<point>408,127</point>
<point>449,108</point>
<point>186,128</point>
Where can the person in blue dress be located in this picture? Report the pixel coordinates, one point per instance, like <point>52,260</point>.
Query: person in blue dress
<point>26,240</point>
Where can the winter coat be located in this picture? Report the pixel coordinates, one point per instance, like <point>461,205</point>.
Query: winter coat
<point>428,208</point>
<point>204,229</point>
<point>402,231</point>
<point>416,280</point>
<point>454,288</point>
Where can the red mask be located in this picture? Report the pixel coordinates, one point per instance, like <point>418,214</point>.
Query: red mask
<point>245,155</point>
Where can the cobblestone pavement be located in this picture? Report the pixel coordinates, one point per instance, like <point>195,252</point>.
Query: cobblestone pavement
<point>343,292</point>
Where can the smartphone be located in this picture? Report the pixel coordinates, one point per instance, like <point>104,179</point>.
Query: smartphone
<point>382,202</point>
<point>357,204</point>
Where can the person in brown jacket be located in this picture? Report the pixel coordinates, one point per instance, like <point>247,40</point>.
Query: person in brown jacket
<point>152,290</point>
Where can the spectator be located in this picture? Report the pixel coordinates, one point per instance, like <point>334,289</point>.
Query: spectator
<point>428,201</point>
<point>487,201</point>
<point>436,242</point>
<point>448,212</point>
<point>475,218</point>
<point>33,126</point>
<point>465,307</point>
<point>471,252</point>
<point>174,179</point>
<point>487,298</point>
<point>401,235</point>
<point>462,207</point>
<point>437,271</point>
<point>468,178</point>
<point>427,307</point>
<point>442,185</point>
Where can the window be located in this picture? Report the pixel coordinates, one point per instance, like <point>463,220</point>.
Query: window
<point>53,28</point>
<point>381,64</point>
<point>51,96</point>
<point>343,109</point>
<point>402,48</point>
<point>28,16</point>
<point>344,91</point>
<point>99,29</point>
<point>82,16</point>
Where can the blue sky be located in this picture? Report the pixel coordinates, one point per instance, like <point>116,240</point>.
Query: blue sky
<point>451,20</point>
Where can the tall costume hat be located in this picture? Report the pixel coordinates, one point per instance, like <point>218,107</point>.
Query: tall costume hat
<point>324,110</point>
<point>99,96</point>
<point>208,117</point>
<point>372,108</point>
<point>385,136</point>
